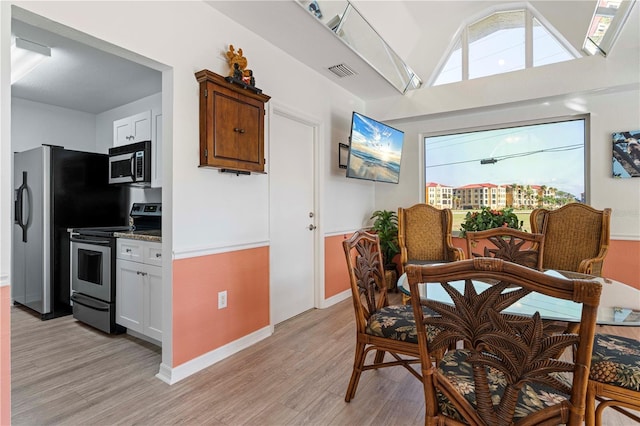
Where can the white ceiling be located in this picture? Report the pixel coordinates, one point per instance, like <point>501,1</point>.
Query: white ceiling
<point>421,32</point>
<point>84,78</point>
<point>81,77</point>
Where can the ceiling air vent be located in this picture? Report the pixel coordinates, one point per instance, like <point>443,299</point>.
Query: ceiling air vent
<point>341,70</point>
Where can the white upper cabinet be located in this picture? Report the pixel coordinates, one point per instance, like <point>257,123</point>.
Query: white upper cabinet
<point>136,128</point>
<point>145,126</point>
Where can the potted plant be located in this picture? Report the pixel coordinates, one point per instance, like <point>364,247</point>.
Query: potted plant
<point>385,224</point>
<point>488,218</point>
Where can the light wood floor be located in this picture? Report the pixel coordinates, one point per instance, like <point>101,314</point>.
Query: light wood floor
<point>64,372</point>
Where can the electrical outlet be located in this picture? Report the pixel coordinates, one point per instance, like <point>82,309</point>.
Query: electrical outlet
<point>222,299</point>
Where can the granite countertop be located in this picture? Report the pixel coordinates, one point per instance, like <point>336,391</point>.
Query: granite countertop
<point>153,236</point>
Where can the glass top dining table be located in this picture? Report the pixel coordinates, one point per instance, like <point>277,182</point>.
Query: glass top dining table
<point>619,303</point>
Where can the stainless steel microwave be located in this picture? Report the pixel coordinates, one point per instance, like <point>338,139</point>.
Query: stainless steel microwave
<point>131,164</point>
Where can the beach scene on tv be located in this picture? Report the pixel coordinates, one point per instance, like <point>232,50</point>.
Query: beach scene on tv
<point>375,150</point>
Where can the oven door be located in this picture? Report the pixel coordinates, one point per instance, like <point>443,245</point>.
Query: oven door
<point>91,267</point>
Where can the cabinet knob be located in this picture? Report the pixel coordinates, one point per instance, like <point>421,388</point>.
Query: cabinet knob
<point>235,129</point>
<point>127,250</point>
<point>158,254</point>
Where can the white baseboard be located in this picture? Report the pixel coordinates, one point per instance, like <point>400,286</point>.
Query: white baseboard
<point>174,375</point>
<point>335,299</point>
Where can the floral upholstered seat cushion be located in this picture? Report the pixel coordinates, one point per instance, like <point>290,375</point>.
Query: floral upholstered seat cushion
<point>616,361</point>
<point>397,322</point>
<point>459,373</point>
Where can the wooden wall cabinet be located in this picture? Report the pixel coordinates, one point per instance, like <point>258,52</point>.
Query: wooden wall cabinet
<point>231,125</point>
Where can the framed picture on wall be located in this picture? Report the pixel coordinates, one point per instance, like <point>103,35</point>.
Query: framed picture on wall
<point>626,154</point>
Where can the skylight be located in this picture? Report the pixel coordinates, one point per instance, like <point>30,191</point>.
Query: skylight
<point>608,19</point>
<point>502,42</point>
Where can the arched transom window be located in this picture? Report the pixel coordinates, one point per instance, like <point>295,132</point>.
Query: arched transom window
<point>502,42</point>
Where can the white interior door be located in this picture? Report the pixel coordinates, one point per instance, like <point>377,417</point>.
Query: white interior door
<point>292,214</point>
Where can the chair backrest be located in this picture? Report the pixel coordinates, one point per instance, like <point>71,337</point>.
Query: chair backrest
<point>576,237</point>
<point>366,275</point>
<point>424,234</point>
<point>513,245</point>
<point>509,367</point>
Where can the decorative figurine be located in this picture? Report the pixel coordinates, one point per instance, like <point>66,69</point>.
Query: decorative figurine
<point>238,72</point>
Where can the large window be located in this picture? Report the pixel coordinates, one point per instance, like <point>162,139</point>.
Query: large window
<point>525,166</point>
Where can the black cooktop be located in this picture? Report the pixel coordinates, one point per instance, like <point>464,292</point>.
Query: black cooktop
<point>145,216</point>
<point>102,231</point>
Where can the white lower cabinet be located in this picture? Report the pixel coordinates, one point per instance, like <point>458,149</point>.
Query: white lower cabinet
<point>139,287</point>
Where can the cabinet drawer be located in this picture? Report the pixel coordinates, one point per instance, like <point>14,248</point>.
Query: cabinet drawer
<point>129,250</point>
<point>153,254</point>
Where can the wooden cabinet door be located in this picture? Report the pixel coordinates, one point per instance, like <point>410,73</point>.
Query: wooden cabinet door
<point>249,133</point>
<point>225,128</point>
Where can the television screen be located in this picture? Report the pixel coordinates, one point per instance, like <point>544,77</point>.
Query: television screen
<point>375,150</point>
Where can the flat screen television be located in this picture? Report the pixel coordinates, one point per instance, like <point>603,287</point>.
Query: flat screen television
<point>375,150</point>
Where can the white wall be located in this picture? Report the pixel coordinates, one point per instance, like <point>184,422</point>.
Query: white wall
<point>34,124</point>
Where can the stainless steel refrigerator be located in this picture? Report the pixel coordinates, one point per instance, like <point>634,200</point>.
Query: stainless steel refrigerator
<point>57,189</point>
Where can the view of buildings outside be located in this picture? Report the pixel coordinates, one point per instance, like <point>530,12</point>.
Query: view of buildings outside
<point>521,167</point>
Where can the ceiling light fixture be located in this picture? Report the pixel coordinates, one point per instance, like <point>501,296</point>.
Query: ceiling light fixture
<point>26,56</point>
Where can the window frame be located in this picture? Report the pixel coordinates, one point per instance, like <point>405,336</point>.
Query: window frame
<point>461,37</point>
<point>586,117</point>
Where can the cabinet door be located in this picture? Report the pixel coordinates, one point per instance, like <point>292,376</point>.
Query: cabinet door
<point>248,137</point>
<point>153,302</point>
<point>122,132</point>
<point>141,127</point>
<point>129,294</point>
<point>156,149</point>
<point>225,127</point>
<point>135,128</point>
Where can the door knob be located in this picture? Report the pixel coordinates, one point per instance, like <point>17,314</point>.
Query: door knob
<point>312,227</point>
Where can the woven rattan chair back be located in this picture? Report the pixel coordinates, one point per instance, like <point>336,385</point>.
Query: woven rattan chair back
<point>523,248</point>
<point>576,237</point>
<point>424,234</point>
<point>379,327</point>
<point>508,371</point>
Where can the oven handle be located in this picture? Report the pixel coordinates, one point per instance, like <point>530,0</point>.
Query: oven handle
<point>89,303</point>
<point>96,242</point>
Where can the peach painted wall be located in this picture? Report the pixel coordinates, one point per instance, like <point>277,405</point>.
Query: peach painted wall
<point>336,277</point>
<point>198,325</point>
<point>621,264</point>
<point>5,355</point>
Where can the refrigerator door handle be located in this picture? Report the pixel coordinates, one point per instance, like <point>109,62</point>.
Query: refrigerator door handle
<point>19,207</point>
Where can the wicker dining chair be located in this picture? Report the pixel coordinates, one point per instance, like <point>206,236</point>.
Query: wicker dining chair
<point>513,245</point>
<point>614,379</point>
<point>380,327</point>
<point>424,235</point>
<point>576,237</point>
<point>508,370</point>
